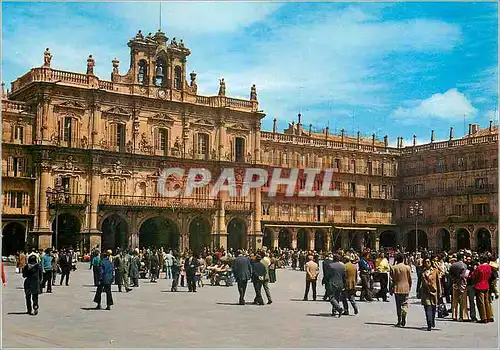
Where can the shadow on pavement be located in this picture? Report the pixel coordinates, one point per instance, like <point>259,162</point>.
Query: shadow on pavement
<point>90,309</point>
<point>405,327</point>
<point>324,314</point>
<point>237,304</point>
<point>179,291</point>
<point>17,313</point>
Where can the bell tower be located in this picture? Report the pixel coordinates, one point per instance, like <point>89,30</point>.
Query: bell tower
<point>156,62</point>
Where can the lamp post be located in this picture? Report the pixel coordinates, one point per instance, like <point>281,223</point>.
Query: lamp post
<point>416,210</point>
<point>56,196</point>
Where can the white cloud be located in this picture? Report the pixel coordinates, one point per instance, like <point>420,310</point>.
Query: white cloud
<point>451,105</point>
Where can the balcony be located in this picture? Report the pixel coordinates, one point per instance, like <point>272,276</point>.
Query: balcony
<point>373,219</point>
<point>25,210</point>
<point>358,170</point>
<point>173,203</point>
<point>68,199</point>
<point>452,191</point>
<point>476,165</point>
<point>239,206</point>
<point>28,173</point>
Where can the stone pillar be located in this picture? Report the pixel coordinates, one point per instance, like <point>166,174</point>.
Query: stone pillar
<point>94,199</point>
<point>473,240</point>
<point>221,222</point>
<point>453,242</point>
<point>328,240</point>
<point>43,224</point>
<point>96,126</point>
<point>257,143</point>
<point>222,140</point>
<point>133,240</point>
<point>95,240</point>
<point>375,240</point>
<point>294,239</point>
<point>274,238</point>
<point>344,239</point>
<point>251,243</point>
<point>257,211</point>
<point>310,236</point>
<point>46,118</point>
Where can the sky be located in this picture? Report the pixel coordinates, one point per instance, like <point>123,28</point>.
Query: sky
<point>395,69</point>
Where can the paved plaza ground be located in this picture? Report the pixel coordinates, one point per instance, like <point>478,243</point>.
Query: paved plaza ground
<point>152,316</point>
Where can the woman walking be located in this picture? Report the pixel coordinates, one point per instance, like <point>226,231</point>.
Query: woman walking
<point>430,291</point>
<point>32,272</point>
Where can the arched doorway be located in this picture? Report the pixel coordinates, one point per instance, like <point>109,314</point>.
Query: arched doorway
<point>444,240</point>
<point>302,239</point>
<point>319,240</point>
<point>236,238</point>
<point>463,239</point>
<point>388,239</point>
<point>159,232</point>
<point>114,233</point>
<point>483,240</point>
<point>422,240</point>
<point>66,231</point>
<point>267,238</point>
<point>284,239</point>
<point>200,234</point>
<point>13,238</point>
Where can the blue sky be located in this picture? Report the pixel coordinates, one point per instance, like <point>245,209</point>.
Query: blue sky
<point>388,68</point>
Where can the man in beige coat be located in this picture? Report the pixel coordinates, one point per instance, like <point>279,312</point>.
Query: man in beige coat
<point>401,277</point>
<point>312,272</point>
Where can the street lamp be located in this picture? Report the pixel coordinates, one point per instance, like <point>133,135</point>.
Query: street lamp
<point>56,196</point>
<point>416,210</point>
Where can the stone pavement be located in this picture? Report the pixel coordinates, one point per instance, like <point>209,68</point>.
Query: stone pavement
<point>152,316</point>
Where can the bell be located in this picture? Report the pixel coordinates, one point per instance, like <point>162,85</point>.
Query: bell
<point>159,72</point>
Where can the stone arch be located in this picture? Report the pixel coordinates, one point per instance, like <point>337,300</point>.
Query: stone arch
<point>159,231</point>
<point>462,238</point>
<point>119,214</point>
<point>388,239</point>
<point>320,240</point>
<point>302,239</point>
<point>66,229</point>
<point>200,234</point>
<point>236,233</point>
<point>13,238</point>
<point>284,238</point>
<point>444,242</point>
<point>268,238</point>
<point>483,240</point>
<point>115,231</point>
<point>423,241</point>
<point>141,218</point>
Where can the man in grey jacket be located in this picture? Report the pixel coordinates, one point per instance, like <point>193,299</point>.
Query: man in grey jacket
<point>242,272</point>
<point>335,278</point>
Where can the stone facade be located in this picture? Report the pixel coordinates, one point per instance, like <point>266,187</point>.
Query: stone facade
<point>82,157</point>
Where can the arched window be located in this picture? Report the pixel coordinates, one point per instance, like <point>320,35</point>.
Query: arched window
<point>160,72</point>
<point>142,74</point>
<point>177,78</point>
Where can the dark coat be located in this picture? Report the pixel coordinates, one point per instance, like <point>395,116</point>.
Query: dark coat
<point>242,269</point>
<point>65,261</point>
<point>107,270</point>
<point>33,275</point>
<point>259,272</point>
<point>335,274</point>
<point>191,266</point>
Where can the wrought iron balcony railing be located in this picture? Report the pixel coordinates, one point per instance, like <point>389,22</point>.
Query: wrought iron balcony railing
<point>173,203</point>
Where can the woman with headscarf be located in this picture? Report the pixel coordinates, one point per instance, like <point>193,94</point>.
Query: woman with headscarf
<point>429,292</point>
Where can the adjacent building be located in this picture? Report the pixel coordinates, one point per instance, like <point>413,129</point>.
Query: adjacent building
<point>82,157</point>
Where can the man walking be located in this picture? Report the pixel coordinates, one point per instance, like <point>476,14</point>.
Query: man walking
<point>124,269</point>
<point>350,286</point>
<point>365,273</point>
<point>32,272</point>
<point>46,262</point>
<point>191,266</point>
<point>65,264</point>
<point>265,283</point>
<point>335,277</point>
<point>258,277</point>
<point>169,258</point>
<point>242,272</point>
<point>323,281</point>
<point>105,280</point>
<point>458,274</point>
<point>401,276</point>
<point>312,271</point>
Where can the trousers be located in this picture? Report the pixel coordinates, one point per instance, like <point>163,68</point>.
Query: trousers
<point>401,306</point>
<point>430,315</point>
<point>107,289</point>
<point>484,305</point>
<point>459,298</point>
<point>309,284</point>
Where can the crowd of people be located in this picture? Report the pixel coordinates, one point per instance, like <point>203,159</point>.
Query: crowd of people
<point>466,280</point>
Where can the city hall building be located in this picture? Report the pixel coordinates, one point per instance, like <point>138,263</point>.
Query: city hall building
<point>82,157</point>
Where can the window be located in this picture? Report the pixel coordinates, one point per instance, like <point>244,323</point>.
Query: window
<point>481,209</point>
<point>203,145</point>
<point>116,187</point>
<point>16,199</point>
<point>239,149</point>
<point>18,134</point>
<point>461,163</point>
<point>352,165</point>
<point>285,210</point>
<point>440,165</point>
<point>162,141</point>
<point>369,168</point>
<point>352,189</point>
<point>353,214</point>
<point>67,130</point>
<point>382,169</point>
<point>160,72</point>
<point>142,73</point>
<point>337,164</point>
<point>18,166</point>
<point>302,183</point>
<point>383,191</point>
<point>369,190</point>
<point>120,137</point>
<point>178,78</point>
<point>480,183</point>
<point>303,160</point>
<point>319,212</point>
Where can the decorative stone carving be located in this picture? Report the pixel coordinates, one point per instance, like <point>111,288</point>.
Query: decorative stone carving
<point>84,142</point>
<point>253,93</point>
<point>116,64</point>
<point>116,170</point>
<point>144,145</point>
<point>118,111</point>
<point>222,87</point>
<point>47,57</point>
<point>90,65</point>
<point>130,147</point>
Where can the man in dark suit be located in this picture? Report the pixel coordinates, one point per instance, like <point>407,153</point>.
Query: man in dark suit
<point>258,277</point>
<point>191,266</point>
<point>242,272</point>
<point>335,276</point>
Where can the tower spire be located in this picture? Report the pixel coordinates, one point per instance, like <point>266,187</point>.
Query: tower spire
<point>160,17</point>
